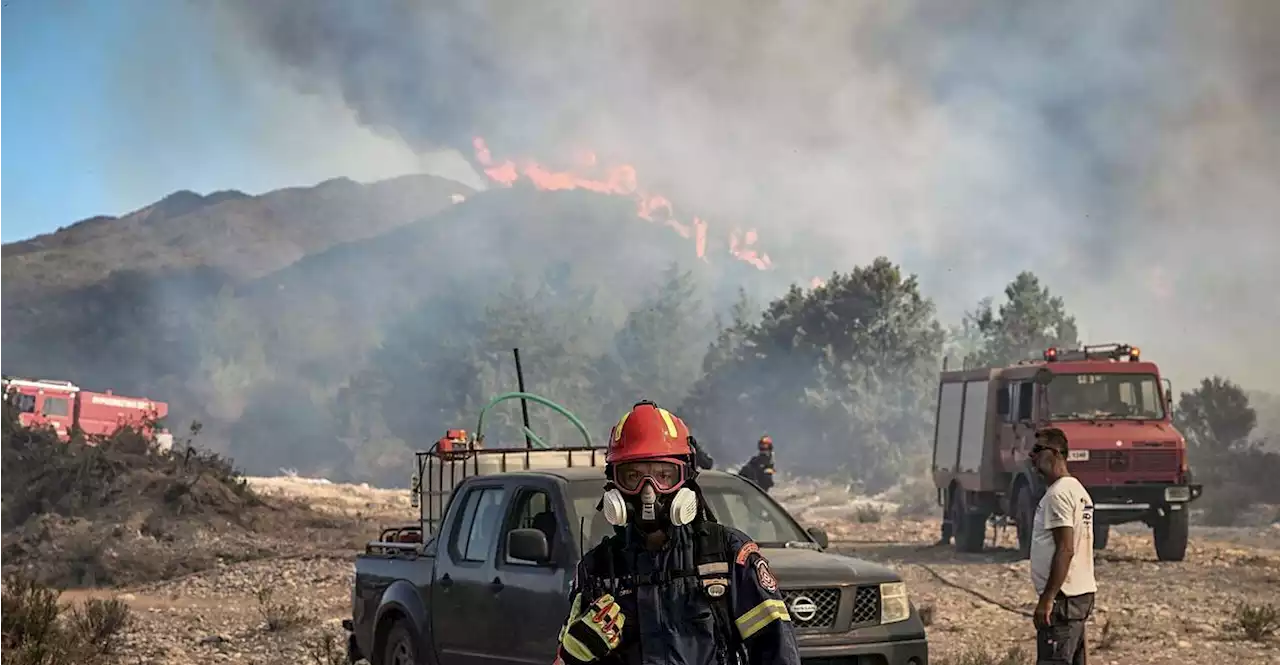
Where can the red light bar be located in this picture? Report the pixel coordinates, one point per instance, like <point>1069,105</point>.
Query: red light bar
<point>1051,354</point>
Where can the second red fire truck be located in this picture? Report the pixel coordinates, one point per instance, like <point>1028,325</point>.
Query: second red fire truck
<point>1115,410</point>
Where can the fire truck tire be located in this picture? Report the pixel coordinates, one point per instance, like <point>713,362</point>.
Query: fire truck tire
<point>1024,514</point>
<point>1101,532</point>
<point>1170,533</point>
<point>970,525</point>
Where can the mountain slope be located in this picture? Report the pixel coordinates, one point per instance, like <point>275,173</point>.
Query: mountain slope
<point>243,236</point>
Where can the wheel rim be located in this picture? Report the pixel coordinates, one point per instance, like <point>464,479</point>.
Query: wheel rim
<point>402,654</point>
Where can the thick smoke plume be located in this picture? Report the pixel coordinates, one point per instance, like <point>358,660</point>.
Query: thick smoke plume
<point>1127,152</point>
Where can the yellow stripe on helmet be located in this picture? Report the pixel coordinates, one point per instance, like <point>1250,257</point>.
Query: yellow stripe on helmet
<point>617,429</point>
<point>671,423</point>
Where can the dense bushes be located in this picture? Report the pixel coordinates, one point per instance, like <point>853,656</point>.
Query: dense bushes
<point>39,630</point>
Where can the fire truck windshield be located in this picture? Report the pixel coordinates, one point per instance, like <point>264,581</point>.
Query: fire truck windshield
<point>1105,396</point>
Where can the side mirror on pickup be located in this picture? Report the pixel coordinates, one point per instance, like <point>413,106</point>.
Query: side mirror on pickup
<point>528,545</point>
<point>819,535</point>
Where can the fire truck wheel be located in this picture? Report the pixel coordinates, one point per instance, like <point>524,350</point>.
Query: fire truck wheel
<point>970,525</point>
<point>1101,532</point>
<point>1171,533</point>
<point>1024,514</point>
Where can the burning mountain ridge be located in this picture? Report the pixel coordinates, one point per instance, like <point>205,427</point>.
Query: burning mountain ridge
<point>619,180</point>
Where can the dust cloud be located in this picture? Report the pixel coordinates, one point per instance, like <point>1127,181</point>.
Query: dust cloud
<point>1127,152</point>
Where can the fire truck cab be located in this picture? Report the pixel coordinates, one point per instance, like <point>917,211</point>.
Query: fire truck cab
<point>67,408</point>
<point>1114,409</point>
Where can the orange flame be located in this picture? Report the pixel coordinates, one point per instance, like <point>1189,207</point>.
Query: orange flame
<point>619,180</point>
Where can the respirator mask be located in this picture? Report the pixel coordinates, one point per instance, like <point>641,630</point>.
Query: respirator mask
<point>652,493</point>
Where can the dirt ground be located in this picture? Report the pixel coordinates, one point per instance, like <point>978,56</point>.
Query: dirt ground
<point>1148,612</point>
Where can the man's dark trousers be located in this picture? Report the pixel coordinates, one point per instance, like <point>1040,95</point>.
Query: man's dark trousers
<point>1062,641</point>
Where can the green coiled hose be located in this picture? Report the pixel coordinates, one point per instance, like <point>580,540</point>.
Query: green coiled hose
<point>539,443</point>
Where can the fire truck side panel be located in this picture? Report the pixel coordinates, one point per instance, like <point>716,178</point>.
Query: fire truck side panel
<point>946,445</point>
<point>103,413</point>
<point>973,428</point>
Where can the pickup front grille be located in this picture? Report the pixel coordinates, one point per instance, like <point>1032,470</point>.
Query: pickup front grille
<point>866,606</point>
<point>812,608</point>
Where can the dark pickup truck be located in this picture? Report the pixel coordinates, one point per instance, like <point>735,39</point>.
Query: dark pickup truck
<point>491,585</point>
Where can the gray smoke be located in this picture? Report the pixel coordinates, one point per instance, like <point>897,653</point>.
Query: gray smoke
<point>1127,152</point>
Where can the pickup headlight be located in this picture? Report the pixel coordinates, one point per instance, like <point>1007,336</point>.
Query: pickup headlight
<point>894,605</point>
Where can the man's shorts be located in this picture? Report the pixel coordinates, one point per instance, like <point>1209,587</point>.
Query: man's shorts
<point>1062,641</point>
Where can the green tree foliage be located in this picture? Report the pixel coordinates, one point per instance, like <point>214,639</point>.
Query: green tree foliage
<point>1216,417</point>
<point>842,372</point>
<point>1029,321</point>
<point>657,352</point>
<point>1218,423</point>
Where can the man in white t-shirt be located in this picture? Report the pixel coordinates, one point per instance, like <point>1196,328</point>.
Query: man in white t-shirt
<point>1061,555</point>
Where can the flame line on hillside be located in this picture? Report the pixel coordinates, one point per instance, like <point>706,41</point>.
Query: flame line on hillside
<point>620,180</point>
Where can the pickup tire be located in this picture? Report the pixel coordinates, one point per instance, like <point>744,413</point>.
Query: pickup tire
<point>1170,534</point>
<point>399,648</point>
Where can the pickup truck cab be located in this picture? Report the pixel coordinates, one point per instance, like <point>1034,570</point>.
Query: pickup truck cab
<point>491,584</point>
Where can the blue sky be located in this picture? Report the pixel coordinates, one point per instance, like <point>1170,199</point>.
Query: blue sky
<point>112,104</point>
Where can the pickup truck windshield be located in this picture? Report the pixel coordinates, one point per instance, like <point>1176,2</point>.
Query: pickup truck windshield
<point>734,502</point>
<point>1105,396</point>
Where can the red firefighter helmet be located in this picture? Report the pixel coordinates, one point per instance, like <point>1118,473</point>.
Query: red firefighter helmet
<point>648,431</point>
<point>766,442</point>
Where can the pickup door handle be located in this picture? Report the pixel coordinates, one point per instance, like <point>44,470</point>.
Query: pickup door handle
<point>446,581</point>
<point>496,585</point>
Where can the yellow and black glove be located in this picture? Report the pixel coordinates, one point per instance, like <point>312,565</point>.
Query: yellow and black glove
<point>592,634</point>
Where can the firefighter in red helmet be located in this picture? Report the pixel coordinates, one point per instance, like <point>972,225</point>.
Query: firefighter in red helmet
<point>759,469</point>
<point>641,595</point>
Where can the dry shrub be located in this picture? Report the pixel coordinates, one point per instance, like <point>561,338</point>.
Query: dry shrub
<point>979,656</point>
<point>327,649</point>
<point>40,631</point>
<point>868,513</point>
<point>1256,622</point>
<point>279,615</point>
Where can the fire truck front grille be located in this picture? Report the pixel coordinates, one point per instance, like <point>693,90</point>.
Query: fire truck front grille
<point>1122,461</point>
<point>812,608</point>
<point>1155,461</point>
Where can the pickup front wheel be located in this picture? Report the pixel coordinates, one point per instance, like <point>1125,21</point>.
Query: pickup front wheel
<point>399,648</point>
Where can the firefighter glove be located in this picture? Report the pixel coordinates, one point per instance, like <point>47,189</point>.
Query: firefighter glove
<point>593,633</point>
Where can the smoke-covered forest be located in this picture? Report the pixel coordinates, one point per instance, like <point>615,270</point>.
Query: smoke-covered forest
<point>342,362</point>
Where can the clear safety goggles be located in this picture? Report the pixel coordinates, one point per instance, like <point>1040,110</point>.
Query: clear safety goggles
<point>665,475</point>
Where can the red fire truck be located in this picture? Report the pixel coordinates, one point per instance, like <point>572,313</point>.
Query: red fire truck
<point>1115,411</point>
<point>67,408</point>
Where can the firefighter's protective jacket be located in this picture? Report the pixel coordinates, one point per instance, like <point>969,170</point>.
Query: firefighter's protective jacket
<point>706,598</point>
<point>759,470</point>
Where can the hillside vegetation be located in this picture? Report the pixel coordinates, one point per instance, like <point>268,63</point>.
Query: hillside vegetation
<point>370,344</point>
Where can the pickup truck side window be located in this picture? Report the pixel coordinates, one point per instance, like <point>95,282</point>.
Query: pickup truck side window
<point>481,514</point>
<point>532,511</point>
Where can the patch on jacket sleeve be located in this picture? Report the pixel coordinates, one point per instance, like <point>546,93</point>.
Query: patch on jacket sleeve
<point>767,580</point>
<point>746,551</point>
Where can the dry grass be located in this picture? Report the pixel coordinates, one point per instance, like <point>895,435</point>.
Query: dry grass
<point>280,615</point>
<point>868,513</point>
<point>1256,622</point>
<point>327,649</point>
<point>342,499</point>
<point>38,630</point>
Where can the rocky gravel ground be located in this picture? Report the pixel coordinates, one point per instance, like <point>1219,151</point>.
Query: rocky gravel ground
<point>1148,612</point>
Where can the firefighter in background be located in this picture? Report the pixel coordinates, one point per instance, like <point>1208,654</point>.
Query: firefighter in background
<point>671,585</point>
<point>759,469</point>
